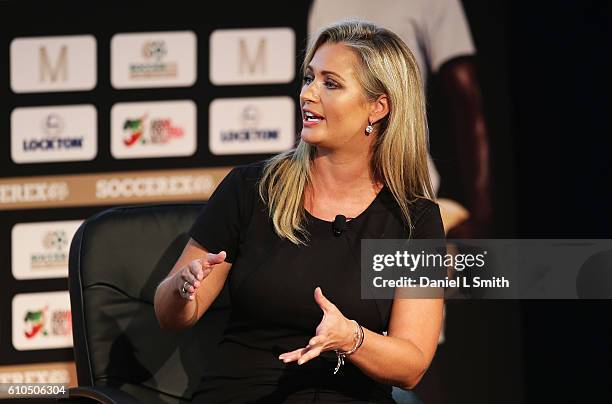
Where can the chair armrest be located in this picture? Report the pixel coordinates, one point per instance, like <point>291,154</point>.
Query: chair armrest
<point>102,394</point>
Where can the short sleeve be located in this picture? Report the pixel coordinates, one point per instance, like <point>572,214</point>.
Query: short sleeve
<point>427,221</point>
<point>446,33</point>
<point>217,227</point>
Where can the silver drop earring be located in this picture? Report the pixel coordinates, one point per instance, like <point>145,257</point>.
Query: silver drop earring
<point>369,129</point>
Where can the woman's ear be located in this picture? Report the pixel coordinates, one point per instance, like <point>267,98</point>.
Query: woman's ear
<point>379,109</point>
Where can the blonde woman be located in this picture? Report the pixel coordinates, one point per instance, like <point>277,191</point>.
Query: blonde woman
<point>299,330</point>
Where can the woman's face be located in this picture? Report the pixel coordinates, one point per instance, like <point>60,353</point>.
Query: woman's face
<point>334,108</point>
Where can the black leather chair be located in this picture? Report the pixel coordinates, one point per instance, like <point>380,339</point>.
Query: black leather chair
<point>117,259</point>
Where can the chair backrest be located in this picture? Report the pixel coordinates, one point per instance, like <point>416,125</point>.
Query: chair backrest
<point>117,259</point>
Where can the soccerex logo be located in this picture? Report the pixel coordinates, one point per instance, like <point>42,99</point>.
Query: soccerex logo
<point>40,249</point>
<point>153,59</point>
<point>153,65</point>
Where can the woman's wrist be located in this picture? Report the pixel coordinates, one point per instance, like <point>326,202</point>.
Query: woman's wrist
<point>357,337</point>
<point>351,336</point>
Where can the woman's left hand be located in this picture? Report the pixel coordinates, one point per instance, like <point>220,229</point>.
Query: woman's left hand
<point>333,332</point>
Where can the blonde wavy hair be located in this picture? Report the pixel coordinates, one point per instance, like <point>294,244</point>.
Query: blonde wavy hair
<point>400,150</point>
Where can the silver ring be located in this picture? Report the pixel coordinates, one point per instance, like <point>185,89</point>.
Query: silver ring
<point>184,289</point>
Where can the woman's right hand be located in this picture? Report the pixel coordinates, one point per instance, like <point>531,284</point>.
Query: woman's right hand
<point>189,278</point>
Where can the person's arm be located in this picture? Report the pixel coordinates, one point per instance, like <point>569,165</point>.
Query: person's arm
<point>400,358</point>
<point>206,274</point>
<point>217,227</point>
<point>459,83</point>
<point>450,51</point>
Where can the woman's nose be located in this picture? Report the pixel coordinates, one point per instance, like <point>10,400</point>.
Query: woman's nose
<point>309,93</point>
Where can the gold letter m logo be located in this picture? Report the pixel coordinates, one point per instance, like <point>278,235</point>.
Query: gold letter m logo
<point>256,63</point>
<point>47,70</point>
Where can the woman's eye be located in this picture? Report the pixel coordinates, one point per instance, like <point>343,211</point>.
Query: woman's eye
<point>307,80</point>
<point>331,84</point>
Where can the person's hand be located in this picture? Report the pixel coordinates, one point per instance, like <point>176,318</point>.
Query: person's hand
<point>189,279</point>
<point>476,226</point>
<point>333,332</point>
<point>479,221</point>
<point>452,213</point>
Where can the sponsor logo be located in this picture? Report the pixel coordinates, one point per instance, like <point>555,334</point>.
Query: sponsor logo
<point>252,56</point>
<point>152,186</point>
<point>53,126</point>
<point>160,131</point>
<point>153,129</point>
<point>48,72</point>
<point>51,134</point>
<point>33,192</point>
<point>250,118</point>
<point>53,144</point>
<point>40,250</point>
<point>42,321</point>
<point>154,66</point>
<point>45,323</point>
<point>54,372</point>
<point>156,59</point>
<point>110,188</point>
<point>62,63</point>
<point>56,241</point>
<point>251,125</point>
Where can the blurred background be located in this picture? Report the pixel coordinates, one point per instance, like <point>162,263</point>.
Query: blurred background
<point>115,103</point>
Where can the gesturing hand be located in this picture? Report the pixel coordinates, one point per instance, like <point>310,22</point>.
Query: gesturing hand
<point>188,279</point>
<point>333,332</point>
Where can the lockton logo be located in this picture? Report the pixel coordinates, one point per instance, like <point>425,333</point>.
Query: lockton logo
<point>41,321</point>
<point>153,129</point>
<point>53,124</point>
<point>154,59</point>
<point>251,125</point>
<point>61,63</point>
<point>252,56</point>
<point>51,134</point>
<point>40,250</point>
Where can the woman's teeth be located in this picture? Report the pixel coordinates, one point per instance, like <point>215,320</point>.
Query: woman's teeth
<point>310,117</point>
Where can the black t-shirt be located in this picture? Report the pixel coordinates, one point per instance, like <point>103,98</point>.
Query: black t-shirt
<point>272,283</point>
